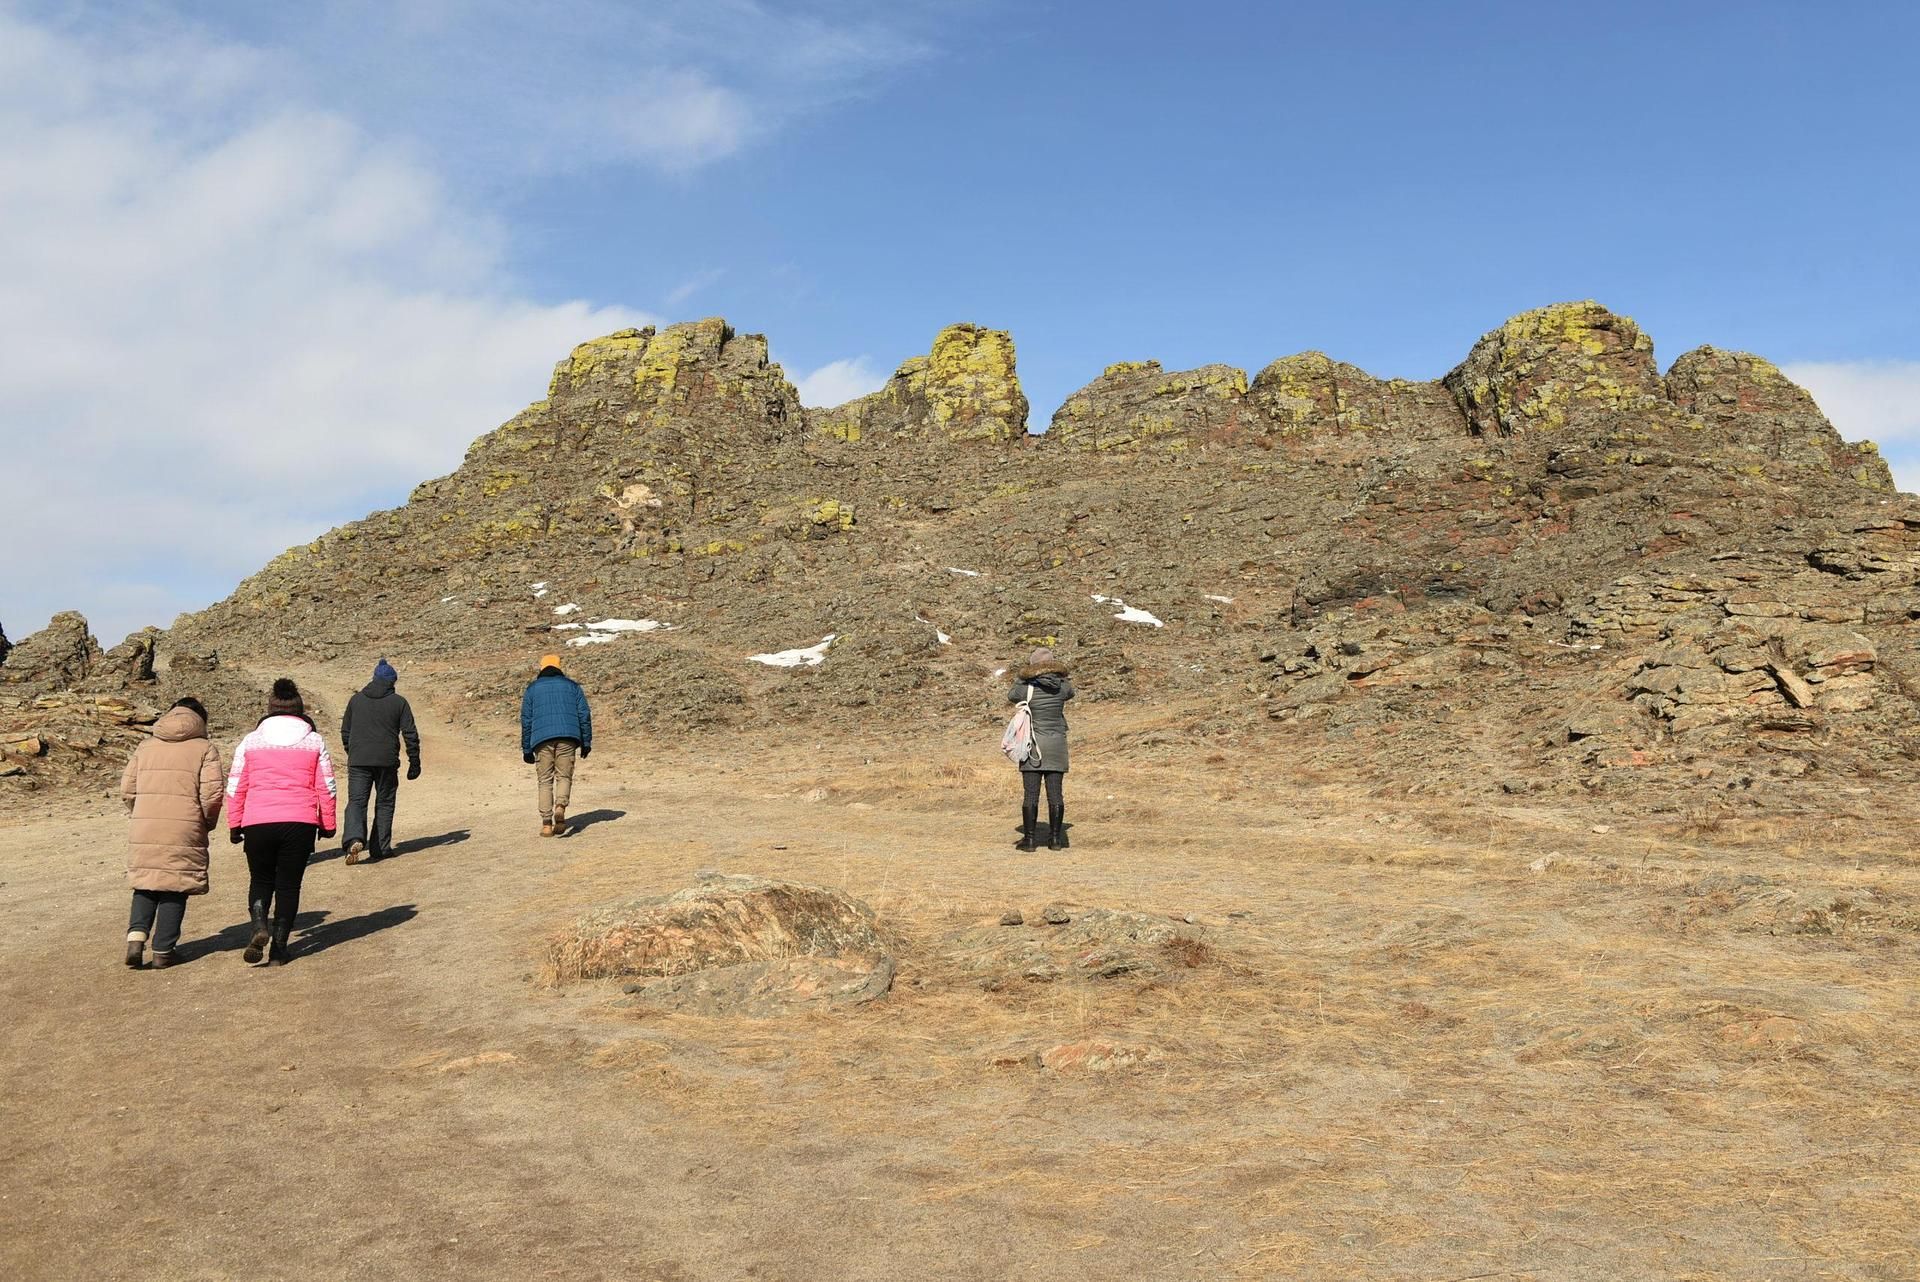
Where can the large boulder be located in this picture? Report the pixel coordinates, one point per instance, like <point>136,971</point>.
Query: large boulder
<point>1557,367</point>
<point>732,945</point>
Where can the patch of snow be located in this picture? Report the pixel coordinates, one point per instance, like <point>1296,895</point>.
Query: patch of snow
<point>811,657</point>
<point>1128,613</point>
<point>568,608</point>
<point>971,574</point>
<point>1223,600</point>
<point>445,599</point>
<point>593,638</point>
<point>998,672</point>
<point>566,627</point>
<point>630,625</point>
<point>938,635</point>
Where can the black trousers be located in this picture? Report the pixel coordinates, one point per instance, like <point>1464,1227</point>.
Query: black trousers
<point>1030,788</point>
<point>277,857</point>
<point>157,914</point>
<point>384,783</point>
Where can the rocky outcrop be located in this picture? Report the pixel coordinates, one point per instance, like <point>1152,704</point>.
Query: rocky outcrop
<point>734,945</point>
<point>1562,367</point>
<point>1136,404</point>
<point>1310,395</point>
<point>1754,408</point>
<point>57,657</point>
<point>6,646</point>
<point>965,389</point>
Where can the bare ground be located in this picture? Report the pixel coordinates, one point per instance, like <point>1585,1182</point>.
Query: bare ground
<point>1427,1044</point>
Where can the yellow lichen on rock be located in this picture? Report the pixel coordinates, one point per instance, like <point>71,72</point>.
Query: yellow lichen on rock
<point>597,355</point>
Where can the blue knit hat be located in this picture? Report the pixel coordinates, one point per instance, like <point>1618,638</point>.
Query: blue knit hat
<point>383,671</point>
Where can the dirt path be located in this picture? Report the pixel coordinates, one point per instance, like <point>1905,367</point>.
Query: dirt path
<point>1418,1059</point>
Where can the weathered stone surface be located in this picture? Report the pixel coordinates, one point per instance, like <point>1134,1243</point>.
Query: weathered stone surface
<point>1310,394</point>
<point>1758,410</point>
<point>745,945</point>
<point>965,389</point>
<point>132,659</point>
<point>1136,405</point>
<point>54,658</point>
<point>1558,367</point>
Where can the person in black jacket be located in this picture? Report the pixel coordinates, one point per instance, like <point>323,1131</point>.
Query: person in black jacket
<point>376,721</point>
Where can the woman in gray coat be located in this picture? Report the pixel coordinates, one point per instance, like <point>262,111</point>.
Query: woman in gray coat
<point>1044,686</point>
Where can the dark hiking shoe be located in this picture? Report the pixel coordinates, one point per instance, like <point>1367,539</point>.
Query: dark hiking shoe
<point>356,852</point>
<point>162,960</point>
<point>279,950</point>
<point>135,949</point>
<point>1057,830</point>
<point>256,953</point>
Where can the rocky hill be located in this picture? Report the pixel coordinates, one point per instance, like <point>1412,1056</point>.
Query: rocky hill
<point>1556,569</point>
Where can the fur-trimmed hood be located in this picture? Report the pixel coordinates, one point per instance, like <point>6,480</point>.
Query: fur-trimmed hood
<point>1035,670</point>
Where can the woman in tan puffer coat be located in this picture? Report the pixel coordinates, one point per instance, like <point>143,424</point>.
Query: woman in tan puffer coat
<point>174,786</point>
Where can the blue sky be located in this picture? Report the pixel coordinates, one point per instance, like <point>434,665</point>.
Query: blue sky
<point>293,258</point>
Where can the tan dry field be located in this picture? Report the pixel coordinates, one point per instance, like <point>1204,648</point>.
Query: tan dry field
<point>1409,1054</point>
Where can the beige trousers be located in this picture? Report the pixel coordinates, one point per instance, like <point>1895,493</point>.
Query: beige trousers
<point>553,772</point>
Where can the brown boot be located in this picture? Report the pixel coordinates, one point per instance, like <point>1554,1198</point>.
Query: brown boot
<point>162,960</point>
<point>136,948</point>
<point>559,821</point>
<point>546,827</point>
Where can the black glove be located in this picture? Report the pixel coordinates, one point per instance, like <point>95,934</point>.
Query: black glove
<point>585,753</point>
<point>413,768</point>
<point>236,835</point>
<point>527,757</point>
<point>326,834</point>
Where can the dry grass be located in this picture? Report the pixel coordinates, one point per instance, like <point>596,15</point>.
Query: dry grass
<point>1398,1049</point>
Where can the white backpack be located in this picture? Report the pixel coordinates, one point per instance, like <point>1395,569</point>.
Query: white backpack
<point>1016,742</point>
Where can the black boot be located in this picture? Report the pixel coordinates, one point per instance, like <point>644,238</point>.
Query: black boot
<point>1056,827</point>
<point>279,951</point>
<point>1029,820</point>
<point>256,954</point>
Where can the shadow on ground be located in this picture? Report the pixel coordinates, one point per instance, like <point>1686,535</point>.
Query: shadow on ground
<point>412,846</point>
<point>317,939</point>
<point>586,820</point>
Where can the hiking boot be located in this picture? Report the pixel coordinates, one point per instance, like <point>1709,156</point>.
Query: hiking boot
<point>356,852</point>
<point>546,827</point>
<point>559,821</point>
<point>136,947</point>
<point>1029,820</point>
<point>162,960</point>
<point>279,950</point>
<point>1056,828</point>
<point>256,953</point>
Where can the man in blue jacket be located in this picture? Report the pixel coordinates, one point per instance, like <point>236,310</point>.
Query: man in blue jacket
<point>555,725</point>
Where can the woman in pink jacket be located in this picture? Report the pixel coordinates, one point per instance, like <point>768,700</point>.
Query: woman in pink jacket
<point>280,797</point>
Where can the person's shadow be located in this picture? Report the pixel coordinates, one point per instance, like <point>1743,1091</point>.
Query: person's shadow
<point>587,820</point>
<point>411,846</point>
<point>233,938</point>
<point>343,930</point>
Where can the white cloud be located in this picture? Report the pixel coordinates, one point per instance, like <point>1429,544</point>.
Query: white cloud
<point>228,326</point>
<point>1876,401</point>
<point>838,382</point>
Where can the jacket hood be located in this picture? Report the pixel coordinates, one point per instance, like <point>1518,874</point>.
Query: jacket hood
<point>282,723</point>
<point>378,688</point>
<point>1035,671</point>
<point>177,725</point>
